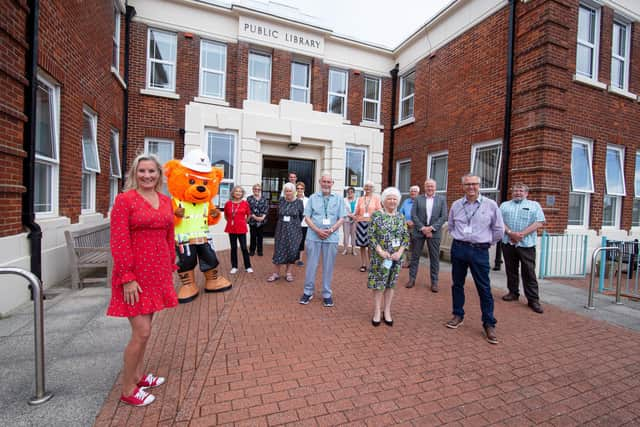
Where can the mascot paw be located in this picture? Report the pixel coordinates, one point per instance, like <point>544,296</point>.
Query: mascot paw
<point>214,213</point>
<point>179,212</point>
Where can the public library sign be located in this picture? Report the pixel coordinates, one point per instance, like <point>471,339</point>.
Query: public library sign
<point>274,34</point>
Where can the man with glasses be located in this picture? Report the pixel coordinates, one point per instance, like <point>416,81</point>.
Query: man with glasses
<point>475,223</point>
<point>522,218</point>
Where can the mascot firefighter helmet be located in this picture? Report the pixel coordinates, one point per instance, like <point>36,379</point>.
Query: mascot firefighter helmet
<point>197,160</point>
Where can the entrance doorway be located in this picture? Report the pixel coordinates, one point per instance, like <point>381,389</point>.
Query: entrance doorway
<point>275,173</point>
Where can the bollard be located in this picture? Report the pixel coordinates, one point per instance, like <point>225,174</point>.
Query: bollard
<point>590,305</point>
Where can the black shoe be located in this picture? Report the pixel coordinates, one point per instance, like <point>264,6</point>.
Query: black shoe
<point>252,253</point>
<point>374,323</point>
<point>510,297</point>
<point>535,306</point>
<point>387,322</point>
<point>259,253</point>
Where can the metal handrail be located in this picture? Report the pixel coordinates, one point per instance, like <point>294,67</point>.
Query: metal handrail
<point>590,305</point>
<point>38,318</point>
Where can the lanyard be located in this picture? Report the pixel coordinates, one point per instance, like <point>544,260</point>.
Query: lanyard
<point>469,218</point>
<point>325,202</point>
<point>234,211</point>
<point>367,200</point>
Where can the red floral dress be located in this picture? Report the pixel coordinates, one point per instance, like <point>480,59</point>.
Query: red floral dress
<point>143,250</point>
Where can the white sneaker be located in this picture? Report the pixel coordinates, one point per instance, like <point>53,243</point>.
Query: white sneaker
<point>233,270</point>
<point>344,252</point>
<point>249,270</point>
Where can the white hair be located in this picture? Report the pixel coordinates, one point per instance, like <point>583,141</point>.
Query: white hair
<point>289,186</point>
<point>414,188</point>
<point>390,191</point>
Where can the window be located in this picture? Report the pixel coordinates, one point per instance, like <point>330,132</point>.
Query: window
<point>614,174</point>
<point>403,177</point>
<point>259,77</point>
<point>300,82</point>
<point>163,150</point>
<point>213,68</point>
<point>588,41</point>
<point>581,182</point>
<point>338,83</point>
<point>47,148</point>
<point>114,167</point>
<point>115,60</point>
<point>161,60</point>
<point>407,90</point>
<point>371,100</point>
<point>354,167</point>
<point>486,159</point>
<point>90,161</point>
<point>620,55</point>
<point>438,166</point>
<point>221,149</point>
<point>635,214</point>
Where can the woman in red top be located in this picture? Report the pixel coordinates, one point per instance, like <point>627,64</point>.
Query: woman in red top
<point>237,212</point>
<point>143,253</point>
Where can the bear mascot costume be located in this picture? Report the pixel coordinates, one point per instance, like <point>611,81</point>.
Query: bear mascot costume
<point>193,184</point>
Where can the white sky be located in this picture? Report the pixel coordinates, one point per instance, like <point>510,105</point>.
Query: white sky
<point>382,22</point>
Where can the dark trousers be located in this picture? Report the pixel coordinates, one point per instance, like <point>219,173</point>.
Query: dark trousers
<point>433,245</point>
<point>255,240</point>
<point>465,257</point>
<point>188,256</point>
<point>233,240</point>
<point>523,259</point>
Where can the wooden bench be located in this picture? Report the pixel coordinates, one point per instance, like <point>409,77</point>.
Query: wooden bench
<point>89,249</point>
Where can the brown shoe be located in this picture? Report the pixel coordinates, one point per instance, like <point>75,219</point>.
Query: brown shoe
<point>535,306</point>
<point>510,297</point>
<point>434,287</point>
<point>410,284</point>
<point>455,323</point>
<point>490,331</point>
<point>188,290</point>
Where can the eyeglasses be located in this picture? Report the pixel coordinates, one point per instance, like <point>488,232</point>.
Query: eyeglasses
<point>469,184</point>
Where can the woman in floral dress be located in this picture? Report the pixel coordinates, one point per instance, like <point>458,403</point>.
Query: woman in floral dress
<point>388,239</point>
<point>288,233</point>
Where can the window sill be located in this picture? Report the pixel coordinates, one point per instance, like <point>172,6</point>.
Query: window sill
<point>589,82</point>
<point>160,93</point>
<point>346,122</point>
<point>212,101</point>
<point>622,92</point>
<point>371,125</point>
<point>405,122</point>
<point>116,74</point>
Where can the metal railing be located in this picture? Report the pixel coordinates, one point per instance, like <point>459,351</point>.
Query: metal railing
<point>563,255</point>
<point>629,252</point>
<point>38,317</point>
<point>590,303</point>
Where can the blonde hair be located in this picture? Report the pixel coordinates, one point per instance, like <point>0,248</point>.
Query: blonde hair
<point>233,190</point>
<point>256,185</point>
<point>131,183</point>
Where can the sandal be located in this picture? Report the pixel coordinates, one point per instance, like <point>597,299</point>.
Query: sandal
<point>363,269</point>
<point>289,277</point>
<point>273,277</point>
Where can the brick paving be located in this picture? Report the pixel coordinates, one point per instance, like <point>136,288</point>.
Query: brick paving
<point>255,357</point>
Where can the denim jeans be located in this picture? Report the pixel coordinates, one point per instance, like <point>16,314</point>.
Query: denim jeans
<point>465,257</point>
<point>328,252</point>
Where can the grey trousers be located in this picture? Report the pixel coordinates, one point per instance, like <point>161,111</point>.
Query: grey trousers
<point>433,245</point>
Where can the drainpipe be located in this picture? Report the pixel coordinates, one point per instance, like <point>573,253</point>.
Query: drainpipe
<point>130,13</point>
<point>29,141</point>
<point>506,144</point>
<point>394,93</point>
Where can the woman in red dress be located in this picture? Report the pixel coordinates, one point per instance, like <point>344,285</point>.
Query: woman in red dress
<point>143,250</point>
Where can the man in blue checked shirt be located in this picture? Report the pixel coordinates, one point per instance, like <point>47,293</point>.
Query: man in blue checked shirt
<point>405,210</point>
<point>522,218</point>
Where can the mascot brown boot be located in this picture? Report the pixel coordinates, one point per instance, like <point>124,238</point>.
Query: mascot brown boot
<point>215,283</point>
<point>188,291</point>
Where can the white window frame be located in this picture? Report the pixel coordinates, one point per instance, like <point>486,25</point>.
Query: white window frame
<point>87,171</point>
<point>366,100</point>
<point>430,158</point>
<point>226,184</point>
<point>624,59</point>
<point>615,196</point>
<point>585,211</point>
<point>474,150</point>
<point>307,88</point>
<point>411,96</point>
<point>170,143</point>
<point>635,219</point>
<point>251,79</point>
<point>151,61</point>
<point>115,172</point>
<point>345,96</point>
<point>582,192</point>
<point>115,60</point>
<point>595,46</point>
<point>53,91</point>
<point>364,167</point>
<point>204,71</point>
<point>404,192</point>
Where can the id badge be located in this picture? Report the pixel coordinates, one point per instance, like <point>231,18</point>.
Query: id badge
<point>395,243</point>
<point>467,229</point>
<point>366,215</point>
<point>325,221</point>
<point>387,263</point>
<point>286,218</point>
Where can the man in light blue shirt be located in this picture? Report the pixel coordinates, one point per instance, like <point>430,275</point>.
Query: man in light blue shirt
<point>522,218</point>
<point>324,214</point>
<point>405,210</point>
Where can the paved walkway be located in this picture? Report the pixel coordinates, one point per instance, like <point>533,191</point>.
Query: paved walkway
<point>254,356</point>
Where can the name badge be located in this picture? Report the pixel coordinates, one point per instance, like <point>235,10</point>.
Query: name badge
<point>286,218</point>
<point>395,243</point>
<point>325,221</point>
<point>387,263</point>
<point>366,215</point>
<point>467,229</point>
